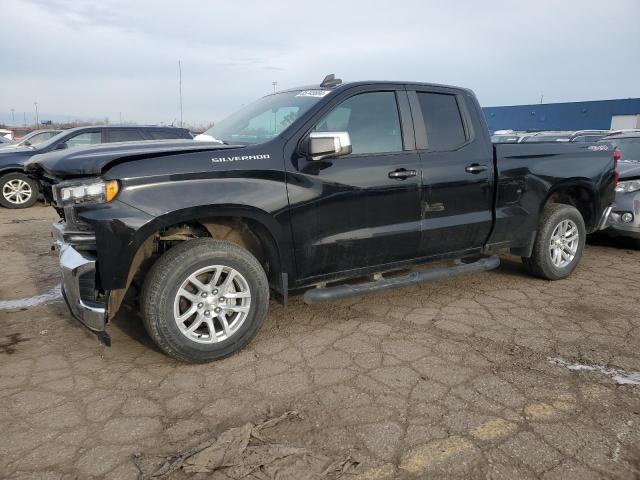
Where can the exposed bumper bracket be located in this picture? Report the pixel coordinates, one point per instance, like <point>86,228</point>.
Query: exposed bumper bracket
<point>602,224</point>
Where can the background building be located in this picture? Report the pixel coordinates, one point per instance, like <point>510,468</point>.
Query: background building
<point>599,114</point>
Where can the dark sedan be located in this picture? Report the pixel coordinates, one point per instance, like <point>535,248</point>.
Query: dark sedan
<point>20,191</point>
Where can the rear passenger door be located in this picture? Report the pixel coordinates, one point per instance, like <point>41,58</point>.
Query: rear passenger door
<point>457,180</point>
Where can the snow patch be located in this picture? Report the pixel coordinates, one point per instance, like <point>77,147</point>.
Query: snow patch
<point>53,295</point>
<point>619,376</point>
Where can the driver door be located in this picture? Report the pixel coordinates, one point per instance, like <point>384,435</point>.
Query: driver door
<point>361,210</point>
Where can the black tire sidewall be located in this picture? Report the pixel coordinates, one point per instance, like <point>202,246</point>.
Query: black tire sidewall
<point>18,176</point>
<point>158,302</point>
<point>542,258</point>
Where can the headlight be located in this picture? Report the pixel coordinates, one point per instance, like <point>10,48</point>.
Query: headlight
<point>629,186</point>
<point>95,191</point>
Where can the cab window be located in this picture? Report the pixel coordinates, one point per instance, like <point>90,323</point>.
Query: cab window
<point>371,119</point>
<point>442,120</point>
<point>84,139</point>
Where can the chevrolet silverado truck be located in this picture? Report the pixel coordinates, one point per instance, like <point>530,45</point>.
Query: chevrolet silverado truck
<point>336,188</point>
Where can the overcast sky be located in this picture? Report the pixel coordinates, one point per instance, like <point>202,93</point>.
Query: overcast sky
<point>98,58</point>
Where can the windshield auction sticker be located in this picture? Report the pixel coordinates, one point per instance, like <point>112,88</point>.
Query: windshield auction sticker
<point>313,93</point>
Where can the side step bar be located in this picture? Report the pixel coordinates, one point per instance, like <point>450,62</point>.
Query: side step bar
<point>326,294</point>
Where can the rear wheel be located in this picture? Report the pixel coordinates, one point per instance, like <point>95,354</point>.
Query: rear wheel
<point>17,190</point>
<point>204,299</point>
<point>559,243</point>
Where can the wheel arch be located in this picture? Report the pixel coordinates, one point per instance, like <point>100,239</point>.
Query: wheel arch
<point>578,193</point>
<point>254,230</point>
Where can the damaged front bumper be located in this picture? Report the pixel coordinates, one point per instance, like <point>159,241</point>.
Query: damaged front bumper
<point>78,268</point>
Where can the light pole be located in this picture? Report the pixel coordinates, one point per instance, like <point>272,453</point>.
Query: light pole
<point>37,118</point>
<point>120,113</point>
<point>180,88</point>
<point>275,84</point>
<point>13,118</point>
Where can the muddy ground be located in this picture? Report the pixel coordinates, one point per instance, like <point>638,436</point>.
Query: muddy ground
<point>444,380</point>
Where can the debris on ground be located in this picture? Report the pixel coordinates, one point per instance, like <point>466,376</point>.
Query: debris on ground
<point>246,453</point>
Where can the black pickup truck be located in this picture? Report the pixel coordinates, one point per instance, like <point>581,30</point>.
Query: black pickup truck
<point>311,187</point>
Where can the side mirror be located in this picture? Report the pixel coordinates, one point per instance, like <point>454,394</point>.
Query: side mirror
<point>61,146</point>
<point>328,144</point>
<point>27,143</point>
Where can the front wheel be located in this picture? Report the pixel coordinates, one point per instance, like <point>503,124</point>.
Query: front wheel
<point>559,243</point>
<point>204,299</point>
<point>18,190</point>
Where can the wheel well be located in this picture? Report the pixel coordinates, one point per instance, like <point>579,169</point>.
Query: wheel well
<point>579,197</point>
<point>11,170</point>
<point>247,233</point>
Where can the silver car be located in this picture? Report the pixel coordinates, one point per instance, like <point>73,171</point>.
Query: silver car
<point>624,220</point>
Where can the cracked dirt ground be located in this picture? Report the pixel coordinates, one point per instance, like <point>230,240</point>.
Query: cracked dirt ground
<point>442,380</point>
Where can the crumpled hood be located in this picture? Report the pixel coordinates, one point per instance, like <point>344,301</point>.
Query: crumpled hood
<point>629,169</point>
<point>78,162</point>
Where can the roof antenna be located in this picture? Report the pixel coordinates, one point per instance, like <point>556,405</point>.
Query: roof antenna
<point>330,81</point>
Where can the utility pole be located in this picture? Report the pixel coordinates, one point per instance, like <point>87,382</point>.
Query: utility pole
<point>275,85</point>
<point>180,88</point>
<point>13,118</point>
<point>541,98</point>
<point>24,119</point>
<point>37,118</point>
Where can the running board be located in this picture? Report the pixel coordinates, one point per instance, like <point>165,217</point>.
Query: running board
<point>326,294</point>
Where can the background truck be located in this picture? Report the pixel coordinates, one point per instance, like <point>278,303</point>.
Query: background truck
<point>311,187</point>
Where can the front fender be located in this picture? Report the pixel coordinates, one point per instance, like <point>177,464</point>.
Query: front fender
<point>121,229</point>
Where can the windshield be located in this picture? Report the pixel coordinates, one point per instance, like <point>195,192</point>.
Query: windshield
<point>265,118</point>
<point>629,148</point>
<point>34,138</point>
<point>49,142</point>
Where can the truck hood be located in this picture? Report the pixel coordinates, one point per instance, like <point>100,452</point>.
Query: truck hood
<point>95,159</point>
<point>629,169</point>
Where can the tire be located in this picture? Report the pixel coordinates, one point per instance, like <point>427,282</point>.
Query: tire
<point>162,304</point>
<point>541,264</point>
<point>17,190</point>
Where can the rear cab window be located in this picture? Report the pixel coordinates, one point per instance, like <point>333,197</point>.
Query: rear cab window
<point>124,135</point>
<point>165,134</point>
<point>443,121</point>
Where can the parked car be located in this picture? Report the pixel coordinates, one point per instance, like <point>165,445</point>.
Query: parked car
<point>6,134</point>
<point>305,188</point>
<point>35,137</point>
<point>588,135</point>
<point>624,220</point>
<point>20,191</point>
<point>4,141</point>
<point>546,137</point>
<point>505,137</point>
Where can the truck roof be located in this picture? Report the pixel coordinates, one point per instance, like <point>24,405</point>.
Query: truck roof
<point>345,85</point>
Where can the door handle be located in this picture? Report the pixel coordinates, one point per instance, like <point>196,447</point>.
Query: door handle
<point>402,174</point>
<point>476,168</point>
